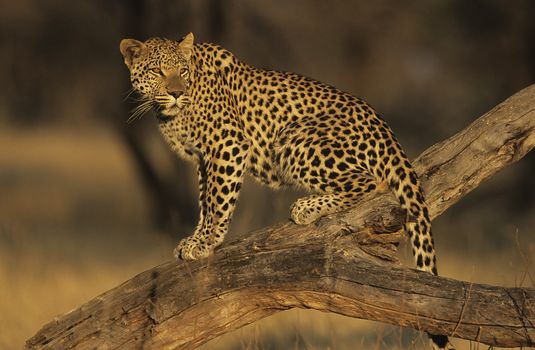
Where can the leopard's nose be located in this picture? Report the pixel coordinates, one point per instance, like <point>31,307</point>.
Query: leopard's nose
<point>175,94</point>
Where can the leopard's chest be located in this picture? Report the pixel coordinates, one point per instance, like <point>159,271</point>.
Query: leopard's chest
<point>176,137</point>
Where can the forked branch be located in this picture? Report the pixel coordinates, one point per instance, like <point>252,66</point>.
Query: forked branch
<point>345,264</point>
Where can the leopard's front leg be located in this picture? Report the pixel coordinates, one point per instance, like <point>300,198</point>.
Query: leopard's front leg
<point>186,246</point>
<point>220,178</point>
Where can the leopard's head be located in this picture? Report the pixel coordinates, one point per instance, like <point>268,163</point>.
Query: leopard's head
<point>160,72</point>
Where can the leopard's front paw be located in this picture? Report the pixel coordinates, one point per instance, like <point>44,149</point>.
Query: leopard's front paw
<point>192,248</point>
<point>304,211</point>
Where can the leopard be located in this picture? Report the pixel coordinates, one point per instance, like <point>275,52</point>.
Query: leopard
<point>231,119</point>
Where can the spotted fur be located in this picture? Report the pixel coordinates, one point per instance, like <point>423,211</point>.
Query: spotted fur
<point>281,128</point>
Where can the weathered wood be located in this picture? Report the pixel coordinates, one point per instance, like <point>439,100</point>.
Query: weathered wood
<point>345,263</point>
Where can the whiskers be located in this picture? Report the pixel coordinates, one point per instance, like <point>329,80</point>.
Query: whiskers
<point>164,104</point>
<point>140,110</point>
<point>129,94</point>
<point>185,101</point>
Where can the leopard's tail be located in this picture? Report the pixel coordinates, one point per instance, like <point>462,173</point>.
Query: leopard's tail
<point>404,182</point>
<point>406,186</point>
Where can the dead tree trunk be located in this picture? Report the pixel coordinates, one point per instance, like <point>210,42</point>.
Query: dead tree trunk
<point>345,263</point>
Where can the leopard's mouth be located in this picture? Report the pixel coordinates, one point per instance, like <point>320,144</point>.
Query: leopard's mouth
<point>173,108</point>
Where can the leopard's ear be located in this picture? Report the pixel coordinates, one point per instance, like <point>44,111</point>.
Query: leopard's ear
<point>186,45</point>
<point>131,48</point>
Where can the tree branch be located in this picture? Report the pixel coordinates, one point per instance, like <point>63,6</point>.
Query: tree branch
<point>345,263</point>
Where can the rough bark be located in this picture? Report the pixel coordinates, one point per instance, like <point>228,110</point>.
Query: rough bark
<point>345,263</point>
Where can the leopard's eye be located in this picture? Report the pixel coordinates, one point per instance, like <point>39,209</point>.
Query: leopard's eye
<point>156,70</point>
<point>184,72</point>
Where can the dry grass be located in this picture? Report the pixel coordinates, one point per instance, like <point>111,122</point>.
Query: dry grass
<point>74,223</point>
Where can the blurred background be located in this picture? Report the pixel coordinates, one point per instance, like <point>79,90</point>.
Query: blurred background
<point>87,201</point>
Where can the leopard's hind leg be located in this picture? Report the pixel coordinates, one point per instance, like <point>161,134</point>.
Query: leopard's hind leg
<point>309,209</point>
